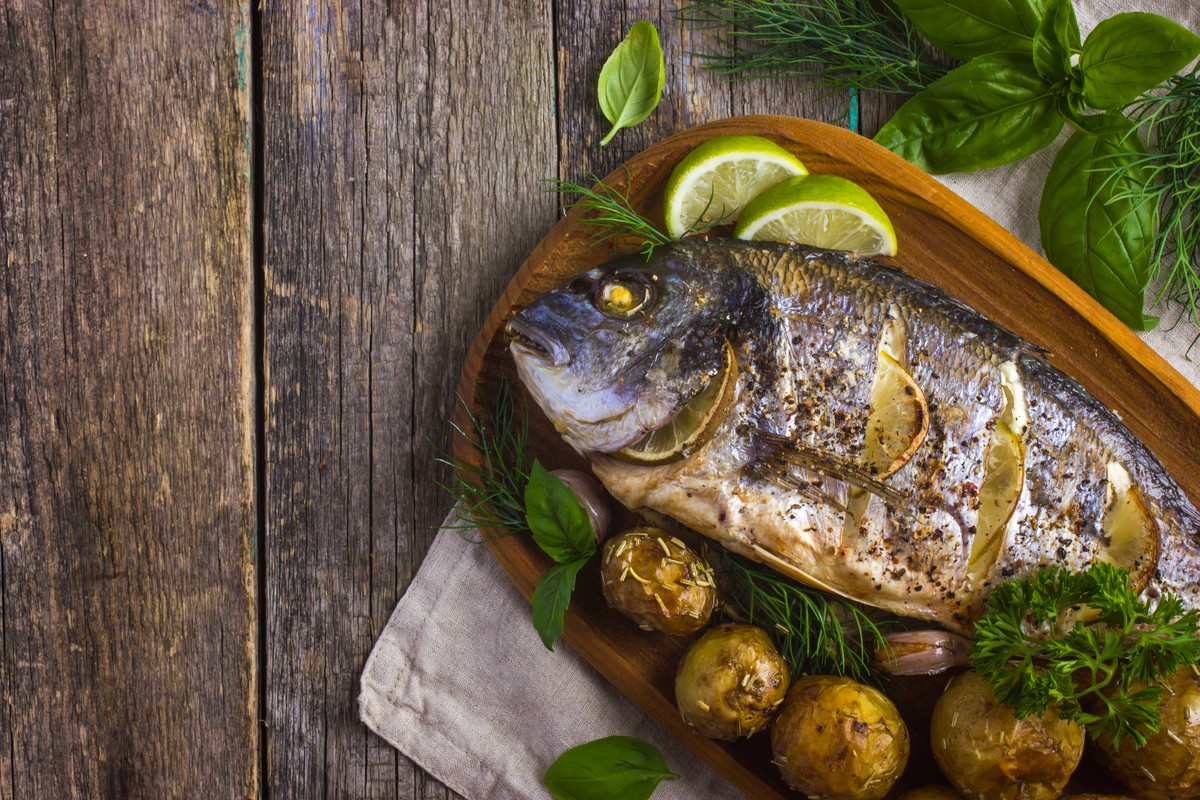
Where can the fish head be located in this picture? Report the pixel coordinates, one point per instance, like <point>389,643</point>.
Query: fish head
<point>618,351</point>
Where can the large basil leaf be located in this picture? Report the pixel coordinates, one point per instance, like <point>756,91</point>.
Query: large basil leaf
<point>559,522</point>
<point>990,111</point>
<point>1094,227</point>
<point>631,81</point>
<point>1056,39</point>
<point>965,29</point>
<point>551,596</point>
<point>1129,53</point>
<point>613,768</point>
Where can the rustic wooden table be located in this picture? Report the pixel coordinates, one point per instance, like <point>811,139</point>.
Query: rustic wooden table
<point>244,249</point>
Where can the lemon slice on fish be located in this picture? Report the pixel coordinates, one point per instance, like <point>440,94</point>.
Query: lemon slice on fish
<point>822,211</point>
<point>715,181</point>
<point>898,420</point>
<point>694,425</point>
<point>1130,531</point>
<point>1003,480</point>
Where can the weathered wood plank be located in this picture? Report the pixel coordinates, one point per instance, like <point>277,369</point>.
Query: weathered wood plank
<point>400,195</point>
<point>127,516</point>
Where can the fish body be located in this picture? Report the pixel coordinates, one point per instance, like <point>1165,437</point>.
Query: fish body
<point>782,478</point>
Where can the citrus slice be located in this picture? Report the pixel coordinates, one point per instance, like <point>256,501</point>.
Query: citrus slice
<point>1003,480</point>
<point>898,420</point>
<point>691,427</point>
<point>714,182</point>
<point>1130,532</point>
<point>822,211</point>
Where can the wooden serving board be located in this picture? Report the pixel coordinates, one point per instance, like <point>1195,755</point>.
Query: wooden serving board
<point>943,240</point>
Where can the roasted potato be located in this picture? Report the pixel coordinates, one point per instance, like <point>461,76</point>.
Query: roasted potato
<point>987,753</point>
<point>839,740</point>
<point>1169,765</point>
<point>1094,797</point>
<point>931,793</point>
<point>730,682</point>
<point>658,582</point>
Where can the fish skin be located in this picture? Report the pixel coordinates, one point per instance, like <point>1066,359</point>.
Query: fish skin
<point>806,364</point>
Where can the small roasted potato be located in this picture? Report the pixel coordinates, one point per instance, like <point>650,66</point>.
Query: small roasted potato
<point>1169,765</point>
<point>839,740</point>
<point>986,752</point>
<point>1094,797</point>
<point>931,793</point>
<point>730,682</point>
<point>658,582</point>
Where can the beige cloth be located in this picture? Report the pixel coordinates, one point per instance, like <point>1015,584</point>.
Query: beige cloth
<point>459,681</point>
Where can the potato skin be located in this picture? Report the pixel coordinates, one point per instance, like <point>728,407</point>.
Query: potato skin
<point>1097,797</point>
<point>673,593</point>
<point>839,740</point>
<point>1174,762</point>
<point>987,753</point>
<point>712,692</point>
<point>931,793</point>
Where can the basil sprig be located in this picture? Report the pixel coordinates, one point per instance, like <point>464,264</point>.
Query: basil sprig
<point>561,527</point>
<point>613,768</point>
<point>631,81</point>
<point>1028,74</point>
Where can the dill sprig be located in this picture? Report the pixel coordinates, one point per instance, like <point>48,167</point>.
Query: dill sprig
<point>492,495</point>
<point>843,44</point>
<point>1169,118</point>
<point>814,632</point>
<point>1079,641</point>
<point>610,214</point>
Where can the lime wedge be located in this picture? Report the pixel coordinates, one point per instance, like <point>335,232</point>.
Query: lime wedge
<point>822,211</point>
<point>714,182</point>
<point>898,420</point>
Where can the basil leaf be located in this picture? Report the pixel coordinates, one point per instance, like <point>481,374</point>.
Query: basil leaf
<point>1129,53</point>
<point>631,81</point>
<point>1056,39</point>
<point>990,111</point>
<point>965,29</point>
<point>613,768</point>
<point>1094,226</point>
<point>559,522</point>
<point>1105,122</point>
<point>550,598</point>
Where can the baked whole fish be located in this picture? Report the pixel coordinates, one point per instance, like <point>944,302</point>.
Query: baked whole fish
<point>878,439</point>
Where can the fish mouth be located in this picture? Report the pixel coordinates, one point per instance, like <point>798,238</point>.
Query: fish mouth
<point>538,341</point>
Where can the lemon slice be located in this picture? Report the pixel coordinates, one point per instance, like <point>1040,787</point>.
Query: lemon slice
<point>1003,480</point>
<point>694,425</point>
<point>822,211</point>
<point>714,182</point>
<point>1130,532</point>
<point>899,418</point>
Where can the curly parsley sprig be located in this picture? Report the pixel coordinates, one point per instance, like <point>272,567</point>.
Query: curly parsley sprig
<point>1085,643</point>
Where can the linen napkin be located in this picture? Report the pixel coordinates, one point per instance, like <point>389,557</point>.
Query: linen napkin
<point>459,682</point>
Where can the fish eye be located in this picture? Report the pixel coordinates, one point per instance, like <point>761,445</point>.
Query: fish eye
<point>623,296</point>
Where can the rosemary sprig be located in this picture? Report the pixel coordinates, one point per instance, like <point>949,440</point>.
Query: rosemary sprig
<point>610,213</point>
<point>1079,641</point>
<point>844,45</point>
<point>813,631</point>
<point>493,495</point>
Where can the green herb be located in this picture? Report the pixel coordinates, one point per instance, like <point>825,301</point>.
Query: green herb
<point>1056,40</point>
<point>1129,53</point>
<point>1095,226</point>
<point>990,111</point>
<point>843,45</point>
<point>492,496</point>
<point>631,81</point>
<point>561,527</point>
<point>1078,642</point>
<point>968,28</point>
<point>613,768</point>
<point>609,212</point>
<point>814,632</point>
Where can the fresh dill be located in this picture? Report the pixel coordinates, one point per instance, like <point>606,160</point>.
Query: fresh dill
<point>491,496</point>
<point>609,212</point>
<point>1085,643</point>
<point>843,45</point>
<point>1170,122</point>
<point>814,632</point>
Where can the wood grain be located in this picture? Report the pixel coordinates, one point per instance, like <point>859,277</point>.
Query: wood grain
<point>127,517</point>
<point>942,240</point>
